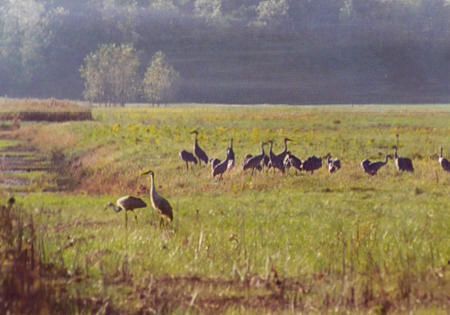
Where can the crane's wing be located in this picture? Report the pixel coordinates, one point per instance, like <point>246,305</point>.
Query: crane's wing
<point>131,202</point>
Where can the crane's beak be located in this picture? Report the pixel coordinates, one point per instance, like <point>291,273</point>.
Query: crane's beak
<point>146,172</point>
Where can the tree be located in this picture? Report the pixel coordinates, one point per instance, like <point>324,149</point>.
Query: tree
<point>271,11</point>
<point>160,79</point>
<point>111,74</point>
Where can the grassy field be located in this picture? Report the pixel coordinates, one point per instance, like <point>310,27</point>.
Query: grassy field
<point>269,243</point>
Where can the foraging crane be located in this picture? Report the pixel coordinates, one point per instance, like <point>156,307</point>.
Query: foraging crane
<point>444,162</point>
<point>222,167</point>
<point>333,164</point>
<point>188,157</point>
<point>159,203</point>
<point>312,163</point>
<point>127,203</point>
<point>199,153</point>
<point>372,168</point>
<point>255,161</point>
<point>403,164</point>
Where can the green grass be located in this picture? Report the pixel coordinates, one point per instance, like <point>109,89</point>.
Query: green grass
<point>324,243</point>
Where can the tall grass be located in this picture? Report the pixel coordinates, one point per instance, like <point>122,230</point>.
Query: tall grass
<point>322,243</point>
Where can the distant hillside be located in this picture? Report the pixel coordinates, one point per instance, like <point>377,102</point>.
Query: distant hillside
<point>248,51</point>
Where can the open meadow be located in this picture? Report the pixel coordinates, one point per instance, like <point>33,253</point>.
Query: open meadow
<point>267,243</point>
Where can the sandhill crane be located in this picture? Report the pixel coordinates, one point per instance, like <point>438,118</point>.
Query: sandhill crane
<point>127,203</point>
<point>333,164</point>
<point>403,164</point>
<point>199,153</point>
<point>159,203</point>
<point>294,161</point>
<point>372,168</point>
<point>312,163</point>
<point>444,162</point>
<point>275,160</point>
<point>230,155</point>
<point>255,161</point>
<point>188,157</point>
<point>214,162</point>
<point>283,154</point>
<point>222,167</point>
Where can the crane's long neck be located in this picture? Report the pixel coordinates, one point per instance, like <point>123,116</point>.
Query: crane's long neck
<point>262,149</point>
<point>396,154</point>
<point>271,146</point>
<point>153,192</point>
<point>386,160</point>
<point>441,155</point>
<point>285,145</point>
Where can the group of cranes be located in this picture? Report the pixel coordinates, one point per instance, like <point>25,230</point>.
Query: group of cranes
<point>278,162</point>
<point>285,160</point>
<point>282,162</point>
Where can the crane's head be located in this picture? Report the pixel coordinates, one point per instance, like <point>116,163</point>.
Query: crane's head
<point>148,172</point>
<point>110,205</point>
<point>287,139</point>
<point>195,132</point>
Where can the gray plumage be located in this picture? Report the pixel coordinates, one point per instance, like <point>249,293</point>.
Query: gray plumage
<point>294,161</point>
<point>127,203</point>
<point>333,164</point>
<point>275,160</point>
<point>255,161</point>
<point>222,167</point>
<point>158,202</point>
<point>312,164</point>
<point>444,162</point>
<point>214,162</point>
<point>199,153</point>
<point>230,155</point>
<point>372,168</point>
<point>188,157</point>
<point>403,164</point>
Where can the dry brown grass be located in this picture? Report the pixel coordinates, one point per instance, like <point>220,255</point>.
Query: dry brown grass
<point>42,110</point>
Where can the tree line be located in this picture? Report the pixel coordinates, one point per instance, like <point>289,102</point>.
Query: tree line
<point>232,51</point>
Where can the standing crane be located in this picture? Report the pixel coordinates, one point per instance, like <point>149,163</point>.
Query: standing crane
<point>222,167</point>
<point>188,157</point>
<point>127,203</point>
<point>199,153</point>
<point>372,168</point>
<point>255,161</point>
<point>283,154</point>
<point>293,161</point>
<point>444,162</point>
<point>159,203</point>
<point>275,161</point>
<point>312,163</point>
<point>403,164</point>
<point>230,155</point>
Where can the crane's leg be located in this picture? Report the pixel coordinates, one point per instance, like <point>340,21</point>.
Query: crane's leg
<point>187,167</point>
<point>135,218</point>
<point>126,220</point>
